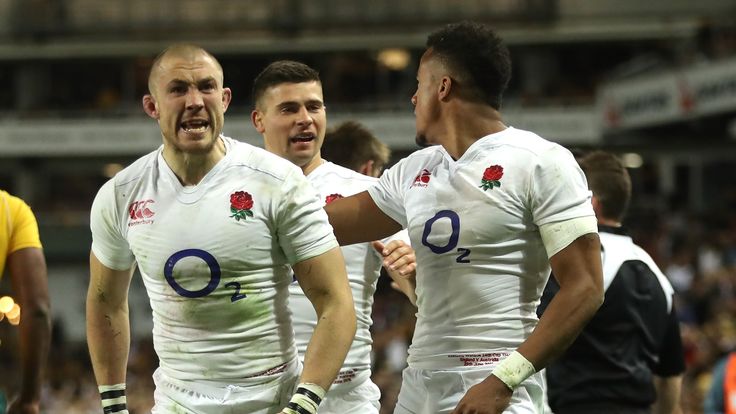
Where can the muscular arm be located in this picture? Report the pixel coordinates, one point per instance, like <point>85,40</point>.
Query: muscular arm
<point>27,268</point>
<point>578,271</point>
<point>108,326</point>
<point>325,283</point>
<point>358,219</point>
<point>668,395</point>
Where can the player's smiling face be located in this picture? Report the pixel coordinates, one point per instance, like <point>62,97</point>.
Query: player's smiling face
<point>189,102</point>
<point>292,119</point>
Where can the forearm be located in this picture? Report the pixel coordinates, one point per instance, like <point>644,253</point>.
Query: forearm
<point>578,270</point>
<point>108,338</point>
<point>329,345</point>
<point>28,273</point>
<point>565,317</point>
<point>35,337</point>
<point>357,219</point>
<point>668,395</point>
<point>406,284</point>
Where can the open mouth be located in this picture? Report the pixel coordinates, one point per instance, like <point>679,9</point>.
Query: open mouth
<point>195,125</point>
<point>304,137</point>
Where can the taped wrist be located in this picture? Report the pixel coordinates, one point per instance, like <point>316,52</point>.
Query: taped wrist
<point>113,399</point>
<point>513,370</point>
<point>306,399</point>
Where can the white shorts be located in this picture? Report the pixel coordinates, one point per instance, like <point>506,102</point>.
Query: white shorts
<point>361,398</point>
<point>173,396</point>
<point>425,391</point>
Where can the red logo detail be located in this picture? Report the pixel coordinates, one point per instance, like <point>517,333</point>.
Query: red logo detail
<point>491,177</point>
<point>241,204</point>
<point>138,210</point>
<point>422,179</point>
<point>332,197</point>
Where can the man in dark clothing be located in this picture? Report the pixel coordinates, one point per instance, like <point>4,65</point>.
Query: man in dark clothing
<point>629,357</point>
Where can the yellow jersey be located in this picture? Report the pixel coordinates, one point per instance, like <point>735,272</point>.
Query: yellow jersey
<point>18,227</point>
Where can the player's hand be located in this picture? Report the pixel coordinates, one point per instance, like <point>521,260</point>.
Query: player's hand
<point>23,407</point>
<point>398,257</point>
<point>400,264</point>
<point>491,396</point>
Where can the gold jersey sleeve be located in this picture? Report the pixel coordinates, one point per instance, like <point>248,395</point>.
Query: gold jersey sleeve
<point>18,227</point>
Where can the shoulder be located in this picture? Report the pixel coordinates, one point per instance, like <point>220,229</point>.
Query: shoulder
<point>135,171</point>
<point>334,171</point>
<point>260,161</point>
<point>530,146</point>
<point>16,206</point>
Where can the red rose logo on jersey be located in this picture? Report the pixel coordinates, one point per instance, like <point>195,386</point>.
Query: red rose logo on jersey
<point>491,177</point>
<point>240,205</point>
<point>422,179</point>
<point>332,197</point>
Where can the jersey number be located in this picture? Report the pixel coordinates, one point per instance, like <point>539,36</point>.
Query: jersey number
<point>214,275</point>
<point>464,253</point>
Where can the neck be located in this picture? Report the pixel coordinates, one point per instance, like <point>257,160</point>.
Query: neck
<point>609,222</point>
<point>469,122</point>
<point>189,168</point>
<point>312,164</point>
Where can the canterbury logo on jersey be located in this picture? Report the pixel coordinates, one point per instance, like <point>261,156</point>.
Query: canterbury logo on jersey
<point>422,179</point>
<point>140,212</point>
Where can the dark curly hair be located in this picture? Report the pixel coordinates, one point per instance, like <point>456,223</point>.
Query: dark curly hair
<point>282,71</point>
<point>477,57</point>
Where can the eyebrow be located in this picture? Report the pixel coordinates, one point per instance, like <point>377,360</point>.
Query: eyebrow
<point>293,103</point>
<point>200,82</point>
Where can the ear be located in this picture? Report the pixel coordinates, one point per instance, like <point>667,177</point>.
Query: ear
<point>256,118</point>
<point>149,105</point>
<point>444,88</point>
<point>366,168</point>
<point>596,206</point>
<point>227,95</point>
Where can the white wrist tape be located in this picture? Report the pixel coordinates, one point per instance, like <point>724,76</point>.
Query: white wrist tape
<point>113,399</point>
<point>513,370</point>
<point>306,399</point>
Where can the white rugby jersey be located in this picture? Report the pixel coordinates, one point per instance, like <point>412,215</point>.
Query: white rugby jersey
<point>474,224</point>
<point>363,265</point>
<point>214,257</point>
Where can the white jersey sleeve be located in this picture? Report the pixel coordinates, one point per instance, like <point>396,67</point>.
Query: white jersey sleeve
<point>304,231</point>
<point>390,191</point>
<point>108,243</point>
<point>558,190</point>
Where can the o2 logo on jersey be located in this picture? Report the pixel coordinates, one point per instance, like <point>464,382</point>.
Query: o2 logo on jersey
<point>454,218</point>
<point>215,274</point>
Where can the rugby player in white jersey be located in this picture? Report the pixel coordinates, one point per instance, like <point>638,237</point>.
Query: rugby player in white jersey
<point>290,114</point>
<point>213,226</point>
<point>489,209</point>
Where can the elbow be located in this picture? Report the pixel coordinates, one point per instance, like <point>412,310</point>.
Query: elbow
<point>595,295</point>
<point>38,314</point>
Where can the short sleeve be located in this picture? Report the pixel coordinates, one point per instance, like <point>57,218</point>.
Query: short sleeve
<point>671,356</point>
<point>108,243</point>
<point>24,231</point>
<point>389,193</point>
<point>303,229</point>
<point>558,190</point>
